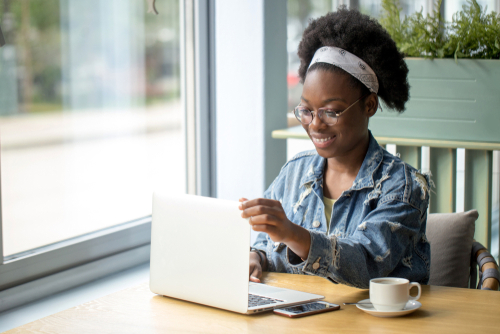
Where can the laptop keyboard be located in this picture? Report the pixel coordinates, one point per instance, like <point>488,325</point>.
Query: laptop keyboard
<point>256,300</point>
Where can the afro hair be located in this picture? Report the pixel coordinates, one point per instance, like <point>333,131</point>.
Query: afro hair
<point>367,39</point>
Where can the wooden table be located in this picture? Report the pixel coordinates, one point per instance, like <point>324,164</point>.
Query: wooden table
<point>137,310</point>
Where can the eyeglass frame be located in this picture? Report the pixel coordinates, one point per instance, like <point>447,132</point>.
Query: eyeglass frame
<point>320,112</point>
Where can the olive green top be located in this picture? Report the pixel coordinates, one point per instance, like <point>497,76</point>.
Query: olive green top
<point>328,211</point>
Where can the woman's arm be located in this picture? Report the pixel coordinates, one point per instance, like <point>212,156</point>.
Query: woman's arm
<point>381,242</point>
<point>374,250</point>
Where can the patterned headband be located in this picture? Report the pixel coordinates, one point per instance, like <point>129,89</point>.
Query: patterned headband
<point>349,63</point>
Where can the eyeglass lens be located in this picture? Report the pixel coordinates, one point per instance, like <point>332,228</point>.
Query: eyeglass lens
<point>306,116</point>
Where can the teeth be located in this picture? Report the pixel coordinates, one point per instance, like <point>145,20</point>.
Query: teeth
<point>319,140</point>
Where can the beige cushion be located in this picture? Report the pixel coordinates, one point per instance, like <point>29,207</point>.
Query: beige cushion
<point>450,236</point>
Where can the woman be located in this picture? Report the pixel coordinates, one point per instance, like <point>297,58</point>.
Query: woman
<point>348,211</point>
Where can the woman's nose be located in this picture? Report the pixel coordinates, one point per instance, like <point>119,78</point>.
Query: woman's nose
<point>317,123</point>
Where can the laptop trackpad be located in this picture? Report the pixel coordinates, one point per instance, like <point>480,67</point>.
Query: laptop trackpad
<point>262,289</point>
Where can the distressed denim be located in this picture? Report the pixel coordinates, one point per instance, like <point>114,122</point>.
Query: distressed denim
<point>377,225</point>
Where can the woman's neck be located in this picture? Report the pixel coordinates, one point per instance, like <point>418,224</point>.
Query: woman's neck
<point>341,171</point>
<point>351,162</point>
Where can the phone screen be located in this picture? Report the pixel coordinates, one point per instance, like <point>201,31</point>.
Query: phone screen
<point>315,306</point>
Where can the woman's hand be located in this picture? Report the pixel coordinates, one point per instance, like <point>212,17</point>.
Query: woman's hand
<point>267,215</point>
<point>255,267</point>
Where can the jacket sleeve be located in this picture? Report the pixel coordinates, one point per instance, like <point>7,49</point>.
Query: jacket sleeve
<point>375,248</point>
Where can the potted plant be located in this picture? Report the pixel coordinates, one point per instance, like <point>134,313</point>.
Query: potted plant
<point>454,73</point>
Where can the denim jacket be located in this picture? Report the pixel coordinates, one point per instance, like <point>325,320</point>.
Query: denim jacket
<point>377,226</point>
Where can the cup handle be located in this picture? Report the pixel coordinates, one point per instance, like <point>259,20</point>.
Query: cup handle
<point>411,285</point>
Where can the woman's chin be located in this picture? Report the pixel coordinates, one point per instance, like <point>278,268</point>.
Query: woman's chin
<point>325,149</point>
<point>326,153</point>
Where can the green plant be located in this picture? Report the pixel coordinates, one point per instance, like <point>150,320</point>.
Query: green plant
<point>471,34</point>
<point>475,34</point>
<point>391,21</point>
<point>416,35</point>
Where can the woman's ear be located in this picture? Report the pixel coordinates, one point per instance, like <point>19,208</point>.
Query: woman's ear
<point>371,104</point>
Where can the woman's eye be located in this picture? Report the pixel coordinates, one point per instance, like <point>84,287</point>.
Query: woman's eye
<point>331,113</point>
<point>305,111</point>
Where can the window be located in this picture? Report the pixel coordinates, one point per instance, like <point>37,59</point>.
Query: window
<point>92,120</point>
<point>90,116</point>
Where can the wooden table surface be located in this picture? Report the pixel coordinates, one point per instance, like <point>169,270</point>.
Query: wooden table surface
<point>138,310</point>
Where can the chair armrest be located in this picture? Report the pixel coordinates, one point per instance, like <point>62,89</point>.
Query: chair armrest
<point>487,265</point>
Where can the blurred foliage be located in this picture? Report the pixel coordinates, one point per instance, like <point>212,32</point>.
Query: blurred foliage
<point>475,34</point>
<point>42,41</point>
<point>390,19</point>
<point>44,14</point>
<point>300,12</point>
<point>471,34</point>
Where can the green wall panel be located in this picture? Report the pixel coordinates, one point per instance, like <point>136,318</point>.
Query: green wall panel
<point>478,191</point>
<point>412,155</point>
<point>443,165</point>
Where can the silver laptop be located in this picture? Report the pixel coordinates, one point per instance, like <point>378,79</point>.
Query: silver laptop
<point>200,253</point>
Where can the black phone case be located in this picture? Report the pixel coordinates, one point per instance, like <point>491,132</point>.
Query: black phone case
<point>305,314</point>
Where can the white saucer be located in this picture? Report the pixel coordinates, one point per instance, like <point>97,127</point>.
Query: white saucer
<point>410,307</point>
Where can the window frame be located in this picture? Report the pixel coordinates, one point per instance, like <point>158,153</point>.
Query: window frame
<point>43,271</point>
<point>25,271</point>
<point>2,39</point>
<point>33,264</point>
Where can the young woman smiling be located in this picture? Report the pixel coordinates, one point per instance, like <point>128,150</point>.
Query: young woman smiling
<point>348,211</point>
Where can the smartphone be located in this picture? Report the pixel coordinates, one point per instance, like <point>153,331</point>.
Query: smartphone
<point>303,310</point>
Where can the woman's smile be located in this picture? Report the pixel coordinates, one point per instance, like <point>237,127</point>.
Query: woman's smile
<point>322,141</point>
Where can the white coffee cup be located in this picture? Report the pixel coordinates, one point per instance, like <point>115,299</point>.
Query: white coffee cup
<point>391,293</point>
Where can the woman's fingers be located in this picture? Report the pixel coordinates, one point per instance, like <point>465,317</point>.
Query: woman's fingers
<point>255,274</point>
<point>259,201</point>
<point>265,219</point>
<point>261,210</point>
<point>254,279</point>
<point>255,268</point>
<point>269,229</point>
<point>266,215</point>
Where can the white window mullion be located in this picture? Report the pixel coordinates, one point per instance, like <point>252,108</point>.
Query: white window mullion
<point>199,71</point>
<point>2,43</point>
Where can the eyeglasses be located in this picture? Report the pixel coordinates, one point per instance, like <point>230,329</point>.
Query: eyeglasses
<point>326,115</point>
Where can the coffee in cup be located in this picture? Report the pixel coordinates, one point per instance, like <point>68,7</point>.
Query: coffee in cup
<point>391,293</point>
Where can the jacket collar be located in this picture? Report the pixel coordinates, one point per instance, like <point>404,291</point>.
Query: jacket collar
<point>364,179</point>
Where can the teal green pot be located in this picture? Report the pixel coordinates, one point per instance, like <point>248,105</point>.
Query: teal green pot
<point>448,101</point>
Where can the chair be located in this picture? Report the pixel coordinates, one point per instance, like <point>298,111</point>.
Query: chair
<point>455,255</point>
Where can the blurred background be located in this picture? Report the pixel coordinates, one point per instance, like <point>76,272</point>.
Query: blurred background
<point>90,110</point>
<point>301,11</point>
<point>90,115</point>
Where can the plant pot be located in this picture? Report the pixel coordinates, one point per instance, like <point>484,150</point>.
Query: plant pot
<point>448,101</point>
